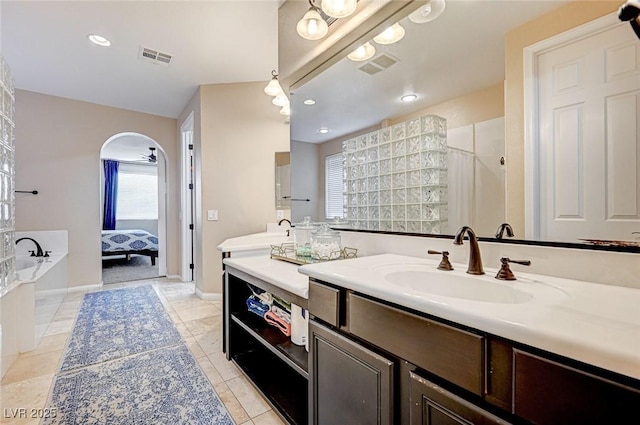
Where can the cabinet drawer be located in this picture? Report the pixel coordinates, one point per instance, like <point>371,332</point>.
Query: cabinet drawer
<point>451,353</point>
<point>433,405</point>
<point>324,302</point>
<point>546,392</point>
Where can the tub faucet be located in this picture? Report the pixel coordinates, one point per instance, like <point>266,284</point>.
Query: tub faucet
<point>502,228</point>
<point>475,261</point>
<point>284,219</point>
<point>39,252</point>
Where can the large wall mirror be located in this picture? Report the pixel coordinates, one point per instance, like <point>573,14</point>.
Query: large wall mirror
<point>561,167</point>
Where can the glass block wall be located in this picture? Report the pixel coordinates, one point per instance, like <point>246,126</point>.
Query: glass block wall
<point>395,179</point>
<point>7,177</point>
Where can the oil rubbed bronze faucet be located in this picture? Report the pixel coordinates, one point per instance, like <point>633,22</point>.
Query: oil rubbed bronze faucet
<point>504,227</point>
<point>475,261</point>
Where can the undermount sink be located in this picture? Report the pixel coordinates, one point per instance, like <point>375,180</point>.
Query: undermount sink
<point>456,286</point>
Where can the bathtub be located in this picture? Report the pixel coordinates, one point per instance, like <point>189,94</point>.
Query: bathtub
<point>27,305</point>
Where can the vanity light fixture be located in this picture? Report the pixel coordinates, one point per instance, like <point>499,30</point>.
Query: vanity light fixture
<point>339,8</point>
<point>273,88</point>
<point>309,102</point>
<point>362,53</point>
<point>99,40</point>
<point>286,110</point>
<point>391,35</point>
<point>409,97</point>
<point>280,100</point>
<point>312,26</point>
<point>323,130</point>
<point>428,12</point>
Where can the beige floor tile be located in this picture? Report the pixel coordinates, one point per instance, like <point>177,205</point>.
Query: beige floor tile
<point>198,313</point>
<point>49,343</point>
<point>268,418</point>
<point>182,329</point>
<point>211,372</point>
<point>210,342</point>
<point>190,303</point>
<point>247,423</point>
<point>204,325</point>
<point>234,407</point>
<point>66,311</point>
<point>225,368</point>
<point>195,348</point>
<point>62,326</point>
<point>28,393</point>
<point>32,366</point>
<point>251,401</point>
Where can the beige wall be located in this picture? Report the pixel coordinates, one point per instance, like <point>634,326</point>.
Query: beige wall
<point>58,144</point>
<point>555,22</point>
<point>240,132</point>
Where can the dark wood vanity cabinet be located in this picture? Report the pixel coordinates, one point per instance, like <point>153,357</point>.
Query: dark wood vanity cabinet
<point>443,373</point>
<point>348,383</point>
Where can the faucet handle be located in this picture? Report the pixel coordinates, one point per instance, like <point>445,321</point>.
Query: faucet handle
<point>33,253</point>
<point>505,272</point>
<point>46,253</point>
<point>444,264</point>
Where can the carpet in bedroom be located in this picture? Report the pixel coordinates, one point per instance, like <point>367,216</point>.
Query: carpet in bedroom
<point>117,269</point>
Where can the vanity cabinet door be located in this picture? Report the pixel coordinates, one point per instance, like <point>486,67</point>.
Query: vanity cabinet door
<point>433,405</point>
<point>348,384</point>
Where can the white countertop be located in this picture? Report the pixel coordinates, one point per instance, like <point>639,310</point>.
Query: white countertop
<point>280,273</point>
<point>589,322</point>
<point>256,241</point>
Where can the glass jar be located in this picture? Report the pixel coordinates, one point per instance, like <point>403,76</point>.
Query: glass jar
<point>325,243</point>
<point>302,237</point>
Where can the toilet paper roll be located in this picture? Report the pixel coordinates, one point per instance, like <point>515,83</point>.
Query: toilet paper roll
<point>299,325</point>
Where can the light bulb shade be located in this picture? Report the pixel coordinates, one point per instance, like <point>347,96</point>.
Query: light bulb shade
<point>280,100</point>
<point>428,12</point>
<point>312,26</point>
<point>273,88</point>
<point>339,8</point>
<point>286,110</point>
<point>362,53</point>
<point>391,35</point>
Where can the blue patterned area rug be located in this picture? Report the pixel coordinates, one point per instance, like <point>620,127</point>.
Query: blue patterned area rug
<point>125,363</point>
<point>118,323</point>
<point>163,386</point>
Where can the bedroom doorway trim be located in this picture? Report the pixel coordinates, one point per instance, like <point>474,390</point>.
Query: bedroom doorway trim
<point>143,142</point>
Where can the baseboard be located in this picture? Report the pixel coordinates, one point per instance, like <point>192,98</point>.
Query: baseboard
<point>208,296</point>
<point>84,288</point>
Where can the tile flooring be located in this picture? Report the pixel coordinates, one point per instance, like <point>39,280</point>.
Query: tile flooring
<point>27,383</point>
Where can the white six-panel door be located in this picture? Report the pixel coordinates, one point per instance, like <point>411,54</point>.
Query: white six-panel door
<point>589,138</point>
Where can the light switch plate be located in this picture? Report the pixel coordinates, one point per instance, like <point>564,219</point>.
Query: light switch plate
<point>212,215</point>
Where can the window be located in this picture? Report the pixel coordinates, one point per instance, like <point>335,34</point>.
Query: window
<point>333,186</point>
<point>137,192</point>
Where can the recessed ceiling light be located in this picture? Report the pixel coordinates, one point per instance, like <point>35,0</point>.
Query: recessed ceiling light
<point>323,130</point>
<point>409,97</point>
<point>309,102</point>
<point>99,40</point>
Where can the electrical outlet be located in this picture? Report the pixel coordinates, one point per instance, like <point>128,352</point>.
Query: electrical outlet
<point>212,215</point>
<point>280,214</point>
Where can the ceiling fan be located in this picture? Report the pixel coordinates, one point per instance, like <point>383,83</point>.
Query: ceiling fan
<point>151,157</point>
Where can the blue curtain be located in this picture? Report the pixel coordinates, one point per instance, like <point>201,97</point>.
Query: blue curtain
<point>110,193</point>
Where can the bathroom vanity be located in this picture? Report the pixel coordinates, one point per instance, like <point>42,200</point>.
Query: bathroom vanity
<point>388,347</point>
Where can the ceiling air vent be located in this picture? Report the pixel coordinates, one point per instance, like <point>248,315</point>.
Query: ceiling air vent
<point>154,56</point>
<point>379,63</point>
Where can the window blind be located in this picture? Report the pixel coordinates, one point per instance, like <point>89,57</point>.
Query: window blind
<point>137,192</point>
<point>334,186</point>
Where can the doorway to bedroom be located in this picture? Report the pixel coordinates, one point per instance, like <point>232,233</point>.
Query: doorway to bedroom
<point>133,208</point>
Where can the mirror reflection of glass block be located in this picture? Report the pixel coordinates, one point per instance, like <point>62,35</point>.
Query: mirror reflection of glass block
<point>413,127</point>
<point>384,151</point>
<point>399,163</point>
<point>413,212</point>
<point>385,181</point>
<point>373,168</point>
<point>399,226</point>
<point>385,212</point>
<point>385,135</point>
<point>373,183</point>
<point>352,213</point>
<point>385,226</point>
<point>372,154</point>
<point>413,145</point>
<point>385,166</point>
<point>361,142</point>
<point>385,197</point>
<point>373,139</point>
<point>374,225</point>
<point>363,212</point>
<point>362,185</point>
<point>413,161</point>
<point>374,213</point>
<point>351,145</point>
<point>413,178</point>
<point>399,196</point>
<point>363,199</point>
<point>398,131</point>
<point>414,226</point>
<point>399,148</point>
<point>399,180</point>
<point>374,198</point>
<point>413,195</point>
<point>353,199</point>
<point>399,212</point>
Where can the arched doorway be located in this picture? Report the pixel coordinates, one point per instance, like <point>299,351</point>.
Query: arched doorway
<point>133,171</point>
